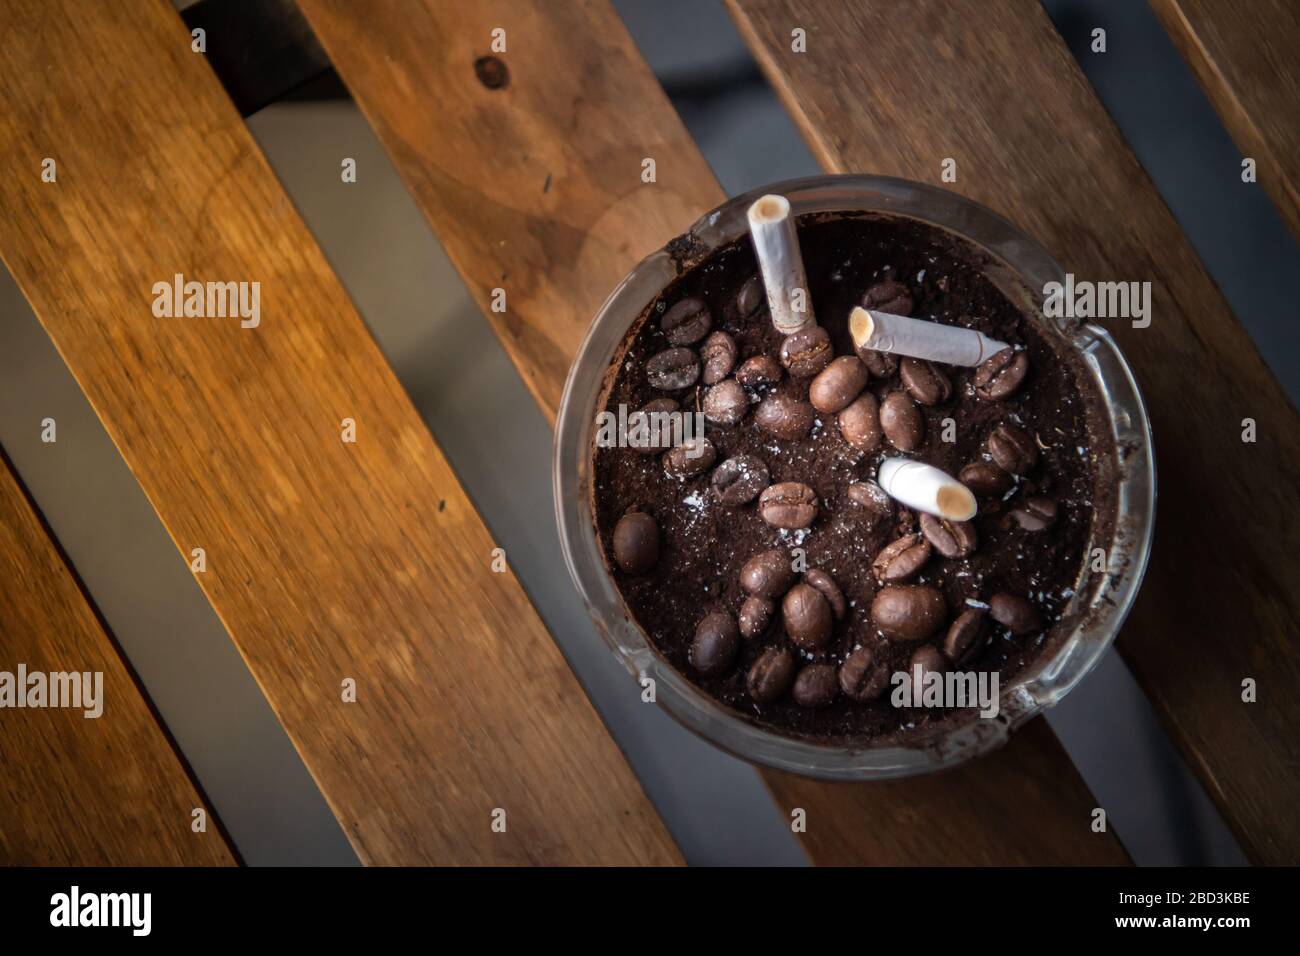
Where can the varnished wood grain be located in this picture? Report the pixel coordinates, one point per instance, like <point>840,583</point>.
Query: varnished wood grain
<point>931,820</point>
<point>993,86</point>
<point>77,790</point>
<point>326,560</point>
<point>536,187</point>
<point>1244,55</point>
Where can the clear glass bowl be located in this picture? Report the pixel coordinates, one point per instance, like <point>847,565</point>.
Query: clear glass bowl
<point>1090,620</point>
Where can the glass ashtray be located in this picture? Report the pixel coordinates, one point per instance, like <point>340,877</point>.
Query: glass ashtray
<point>1091,618</point>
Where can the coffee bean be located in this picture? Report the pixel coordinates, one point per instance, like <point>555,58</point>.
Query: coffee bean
<point>873,504</point>
<point>901,560</point>
<point>816,686</point>
<point>672,369</point>
<point>999,376</point>
<point>986,479</point>
<point>690,458</point>
<point>965,637</point>
<point>716,642</point>
<point>807,352</point>
<point>784,417</point>
<point>952,539</point>
<point>790,505</point>
<point>726,403</point>
<point>888,296</point>
<point>879,364</point>
<point>1013,449</point>
<point>767,575</point>
<point>930,661</point>
<point>1036,514</point>
<point>837,384</point>
<point>901,421</point>
<point>1015,613</point>
<point>658,440</point>
<point>860,423</point>
<point>862,676</point>
<point>759,370</point>
<point>771,676</point>
<point>925,381</point>
<point>751,297</point>
<point>807,617</point>
<point>737,481</point>
<point>909,612</point>
<point>755,616</point>
<point>718,353</point>
<point>686,322</point>
<point>636,543</point>
<point>830,591</point>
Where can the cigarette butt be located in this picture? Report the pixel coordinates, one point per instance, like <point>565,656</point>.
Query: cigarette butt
<point>777,247</point>
<point>920,338</point>
<point>926,488</point>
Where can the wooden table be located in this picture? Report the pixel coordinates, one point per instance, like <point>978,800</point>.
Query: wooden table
<point>529,174</point>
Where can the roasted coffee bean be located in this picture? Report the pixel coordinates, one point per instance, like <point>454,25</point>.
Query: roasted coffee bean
<point>965,637</point>
<point>719,353</point>
<point>872,502</point>
<point>838,384</point>
<point>636,543</point>
<point>816,685</point>
<point>790,505</point>
<point>658,440</point>
<point>759,370</point>
<point>879,364</point>
<point>860,423</point>
<point>1015,613</point>
<point>1035,514</point>
<point>999,376</point>
<point>863,677</point>
<point>716,642</point>
<point>909,612</point>
<point>986,479</point>
<point>767,575</point>
<point>830,591</point>
<point>1013,449</point>
<point>807,617</point>
<point>807,352</point>
<point>925,381</point>
<point>755,616</point>
<point>690,458</point>
<point>751,297</point>
<point>771,676</point>
<point>785,417</point>
<point>952,539</point>
<point>726,403</point>
<point>901,421</point>
<point>686,322</point>
<point>672,369</point>
<point>929,661</point>
<point>738,481</point>
<point>888,296</point>
<point>901,560</point>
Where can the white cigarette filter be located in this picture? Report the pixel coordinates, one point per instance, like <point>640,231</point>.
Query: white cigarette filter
<point>926,488</point>
<point>920,338</point>
<point>772,228</point>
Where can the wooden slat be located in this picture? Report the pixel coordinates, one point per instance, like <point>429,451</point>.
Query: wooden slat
<point>1244,55</point>
<point>77,790</point>
<point>326,560</point>
<point>993,86</point>
<point>535,187</point>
